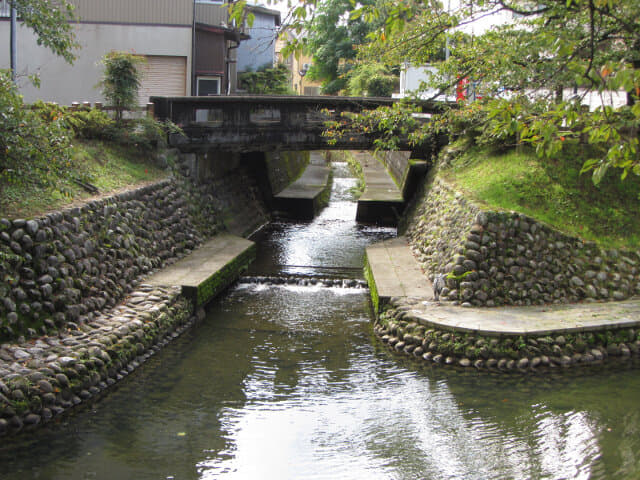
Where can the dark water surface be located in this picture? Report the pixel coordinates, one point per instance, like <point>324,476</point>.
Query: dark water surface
<point>283,382</point>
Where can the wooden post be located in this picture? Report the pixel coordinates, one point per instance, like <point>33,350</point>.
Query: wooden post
<point>150,111</point>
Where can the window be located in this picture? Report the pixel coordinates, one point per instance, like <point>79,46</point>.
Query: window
<point>212,117</point>
<point>5,9</point>
<point>208,86</point>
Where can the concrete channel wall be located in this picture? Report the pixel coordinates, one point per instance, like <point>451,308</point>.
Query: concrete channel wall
<point>75,313</point>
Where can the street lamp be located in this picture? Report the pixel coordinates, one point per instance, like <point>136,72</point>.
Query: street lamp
<point>302,72</point>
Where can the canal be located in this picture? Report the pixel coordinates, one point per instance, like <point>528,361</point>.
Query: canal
<point>285,380</point>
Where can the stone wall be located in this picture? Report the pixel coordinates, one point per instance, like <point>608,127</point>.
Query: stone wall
<point>405,333</point>
<point>59,270</point>
<point>504,258</point>
<point>42,378</point>
<point>74,317</point>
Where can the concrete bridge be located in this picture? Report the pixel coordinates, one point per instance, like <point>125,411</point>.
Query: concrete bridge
<point>252,123</point>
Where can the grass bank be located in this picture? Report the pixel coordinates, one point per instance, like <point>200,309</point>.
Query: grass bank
<point>109,167</point>
<point>552,191</point>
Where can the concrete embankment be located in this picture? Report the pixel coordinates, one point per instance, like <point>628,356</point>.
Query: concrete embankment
<point>303,198</point>
<point>381,202</point>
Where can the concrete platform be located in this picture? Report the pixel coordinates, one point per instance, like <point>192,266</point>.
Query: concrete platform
<point>303,198</point>
<point>392,271</point>
<point>208,270</point>
<point>538,320</point>
<point>395,272</point>
<point>382,201</point>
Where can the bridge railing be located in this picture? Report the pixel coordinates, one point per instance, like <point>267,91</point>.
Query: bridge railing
<point>263,121</point>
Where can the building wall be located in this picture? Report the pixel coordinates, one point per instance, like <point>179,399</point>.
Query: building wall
<point>64,83</point>
<point>211,14</point>
<point>210,49</point>
<point>295,64</point>
<point>155,12</point>
<point>260,49</point>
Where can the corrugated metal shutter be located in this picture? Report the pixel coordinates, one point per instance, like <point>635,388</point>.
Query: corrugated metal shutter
<point>164,76</point>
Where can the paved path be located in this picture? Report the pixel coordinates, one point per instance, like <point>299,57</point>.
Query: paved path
<point>301,199</point>
<point>394,269</point>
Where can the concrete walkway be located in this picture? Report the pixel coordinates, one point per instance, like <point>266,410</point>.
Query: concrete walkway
<point>379,185</point>
<point>209,269</point>
<point>302,198</point>
<point>394,268</point>
<point>381,201</point>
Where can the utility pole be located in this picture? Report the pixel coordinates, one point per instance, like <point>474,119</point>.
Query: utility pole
<point>14,42</point>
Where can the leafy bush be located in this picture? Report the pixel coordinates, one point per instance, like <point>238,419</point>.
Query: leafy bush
<point>373,79</point>
<point>121,80</point>
<point>34,144</point>
<point>91,124</point>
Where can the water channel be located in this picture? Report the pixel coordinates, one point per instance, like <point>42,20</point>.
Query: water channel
<point>287,381</point>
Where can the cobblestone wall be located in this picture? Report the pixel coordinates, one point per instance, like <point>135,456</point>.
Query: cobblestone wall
<point>60,270</point>
<point>493,258</point>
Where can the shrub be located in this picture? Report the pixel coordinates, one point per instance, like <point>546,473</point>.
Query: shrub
<point>34,144</point>
<point>121,80</point>
<point>92,124</point>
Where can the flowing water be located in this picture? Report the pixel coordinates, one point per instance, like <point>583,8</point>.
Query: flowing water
<point>287,381</point>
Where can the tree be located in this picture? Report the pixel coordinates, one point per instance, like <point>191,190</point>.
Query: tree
<point>371,79</point>
<point>121,80</point>
<point>534,50</point>
<point>265,80</point>
<point>35,144</point>
<point>51,23</point>
<point>332,40</point>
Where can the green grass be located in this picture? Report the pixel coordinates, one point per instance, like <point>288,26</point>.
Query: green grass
<point>554,192</point>
<point>109,167</point>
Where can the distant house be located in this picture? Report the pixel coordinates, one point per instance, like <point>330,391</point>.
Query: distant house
<point>188,47</point>
<point>259,50</point>
<point>298,65</point>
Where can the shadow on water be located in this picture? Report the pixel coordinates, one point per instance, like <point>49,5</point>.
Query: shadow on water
<point>288,381</point>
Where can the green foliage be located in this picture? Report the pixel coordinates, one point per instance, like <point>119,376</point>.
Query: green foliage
<point>551,190</point>
<point>522,64</point>
<point>51,24</point>
<point>372,79</point>
<point>34,144</point>
<point>266,80</point>
<point>239,14</point>
<point>121,80</point>
<point>90,124</point>
<point>386,125</point>
<point>332,41</point>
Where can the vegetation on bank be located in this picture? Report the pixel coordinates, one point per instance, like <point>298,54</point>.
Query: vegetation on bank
<point>103,164</point>
<point>550,190</point>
